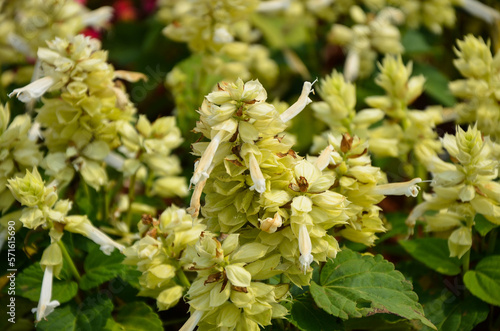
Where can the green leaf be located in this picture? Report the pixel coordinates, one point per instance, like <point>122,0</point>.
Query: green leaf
<point>414,42</point>
<point>448,312</point>
<point>111,325</point>
<point>280,34</point>
<point>434,253</point>
<point>100,268</point>
<point>306,315</point>
<point>136,316</point>
<point>90,315</point>
<point>482,225</point>
<point>353,285</point>
<point>29,284</point>
<point>436,84</point>
<point>484,280</point>
<point>380,322</point>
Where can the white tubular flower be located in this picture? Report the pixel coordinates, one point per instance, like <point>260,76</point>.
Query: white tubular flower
<point>195,205</point>
<point>409,188</point>
<point>82,225</point>
<point>35,132</point>
<point>201,168</point>
<point>351,66</point>
<point>259,183</point>
<point>107,244</point>
<point>418,211</point>
<point>33,90</point>
<point>272,6</point>
<point>300,104</point>
<point>115,160</point>
<point>192,321</point>
<point>305,248</point>
<point>271,224</point>
<point>325,158</point>
<point>20,45</point>
<point>98,18</point>
<point>45,306</point>
<point>480,10</point>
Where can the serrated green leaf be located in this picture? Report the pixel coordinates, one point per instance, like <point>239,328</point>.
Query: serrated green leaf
<point>450,312</point>
<point>353,285</point>
<point>380,322</point>
<point>29,284</point>
<point>306,315</point>
<point>434,253</point>
<point>90,315</point>
<point>137,316</point>
<point>484,280</point>
<point>436,84</point>
<point>482,225</point>
<point>100,268</point>
<point>111,325</point>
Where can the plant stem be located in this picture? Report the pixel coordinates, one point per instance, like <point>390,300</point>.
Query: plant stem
<point>69,260</point>
<point>183,279</point>
<point>465,262</point>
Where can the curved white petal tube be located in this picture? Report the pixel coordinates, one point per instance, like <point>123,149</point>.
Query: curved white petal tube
<point>192,321</point>
<point>480,10</point>
<point>259,182</point>
<point>201,169</point>
<point>98,18</point>
<point>351,67</point>
<point>45,306</point>
<point>305,248</point>
<point>325,158</point>
<point>107,244</point>
<point>300,104</point>
<point>33,90</point>
<point>409,188</point>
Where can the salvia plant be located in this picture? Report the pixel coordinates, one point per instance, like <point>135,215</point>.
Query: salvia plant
<point>248,165</point>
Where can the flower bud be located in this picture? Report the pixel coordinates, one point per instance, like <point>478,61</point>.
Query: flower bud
<point>460,242</point>
<point>169,297</point>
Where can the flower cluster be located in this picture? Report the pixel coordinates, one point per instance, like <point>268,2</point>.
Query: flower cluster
<point>224,294</point>
<point>482,72</point>
<point>368,36</point>
<point>221,31</point>
<point>404,130</point>
<point>17,151</point>
<point>286,210</point>
<point>337,110</point>
<point>81,115</point>
<point>44,209</point>
<point>466,187</point>
<point>27,24</point>
<point>159,255</point>
<point>149,146</point>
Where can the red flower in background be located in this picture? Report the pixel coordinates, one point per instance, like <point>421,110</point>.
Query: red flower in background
<point>125,10</point>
